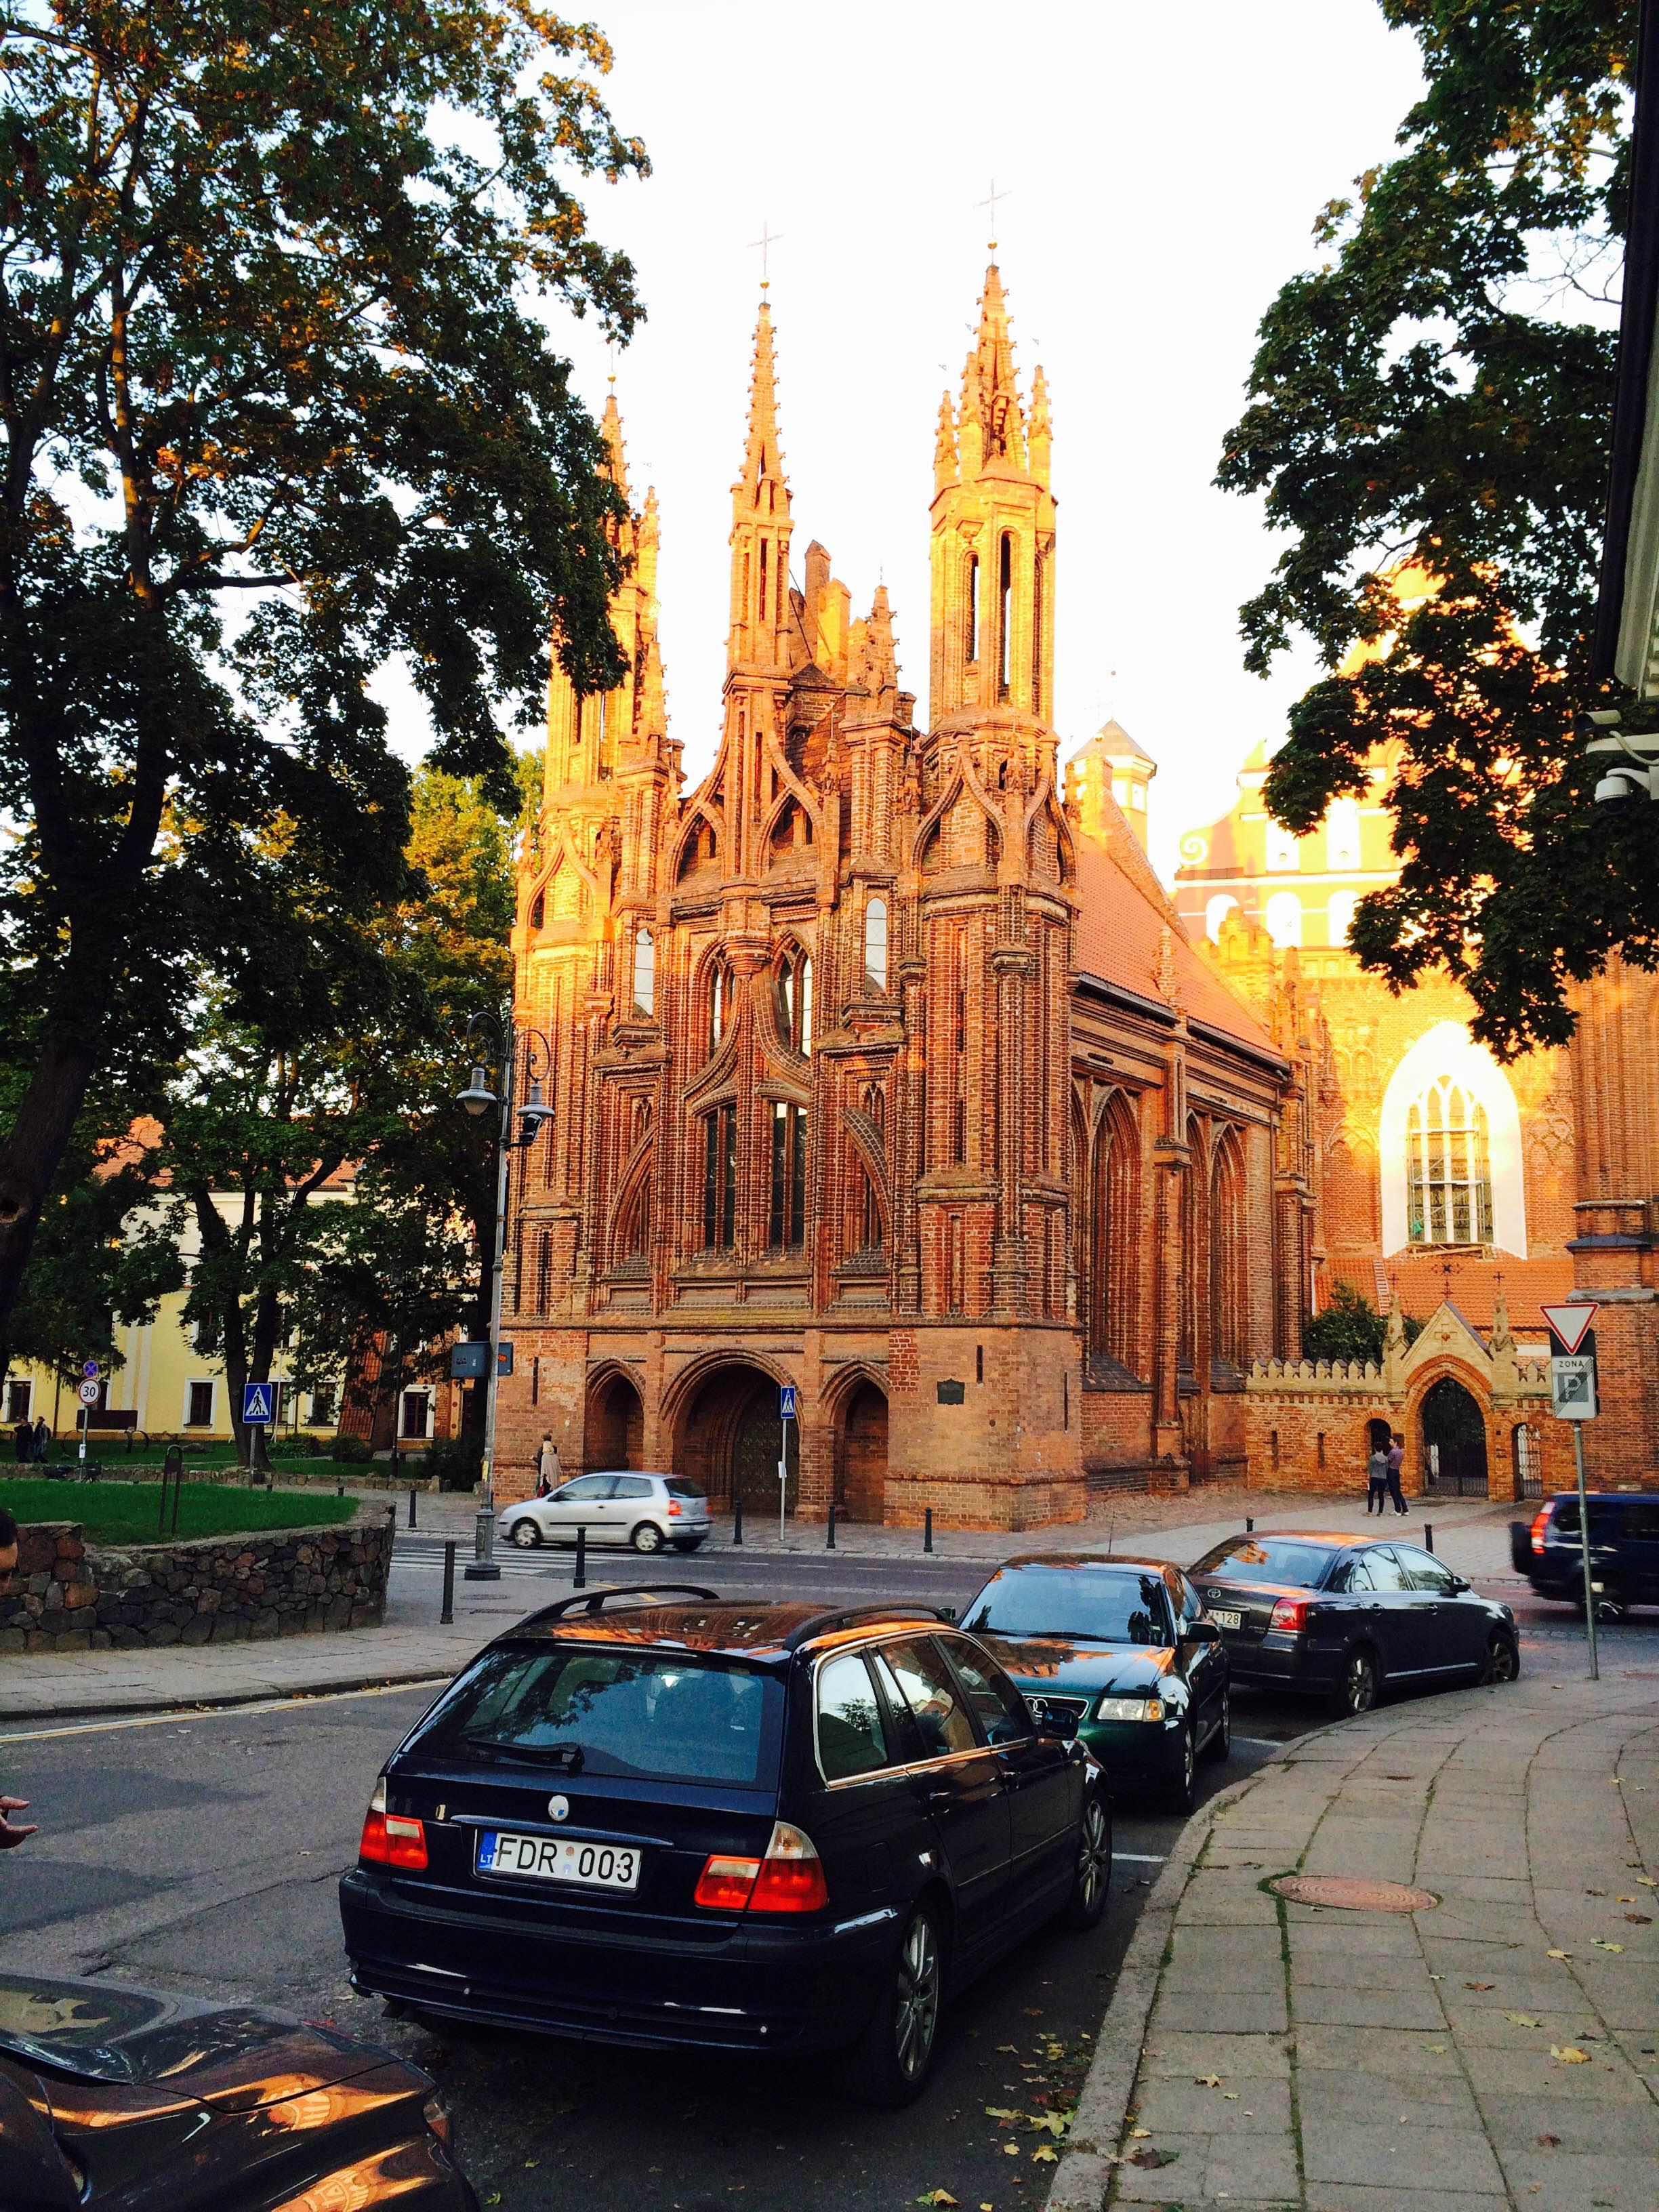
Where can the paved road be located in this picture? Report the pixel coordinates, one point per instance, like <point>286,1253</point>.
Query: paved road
<point>201,1852</point>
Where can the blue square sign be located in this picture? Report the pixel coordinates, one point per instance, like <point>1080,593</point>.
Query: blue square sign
<point>786,1401</point>
<point>259,1404</point>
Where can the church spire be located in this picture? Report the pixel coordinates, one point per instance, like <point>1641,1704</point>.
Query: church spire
<point>758,637</point>
<point>990,393</point>
<point>615,464</point>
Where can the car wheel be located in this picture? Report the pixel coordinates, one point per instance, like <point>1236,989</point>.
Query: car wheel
<point>1611,1602</point>
<point>1221,1738</point>
<point>1093,1879</point>
<point>526,1534</point>
<point>647,1537</point>
<point>891,2061</point>
<point>1183,1791</point>
<point>1502,1660</point>
<point>1357,1684</point>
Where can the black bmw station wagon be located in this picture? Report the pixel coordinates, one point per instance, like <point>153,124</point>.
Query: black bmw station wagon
<point>657,1817</point>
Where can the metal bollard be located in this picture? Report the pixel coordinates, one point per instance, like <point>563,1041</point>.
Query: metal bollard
<point>1428,1535</point>
<point>927,1529</point>
<point>829,1531</point>
<point>448,1615</point>
<point>1249,1525</point>
<point>580,1581</point>
<point>737,1520</point>
<point>340,1487</point>
<point>411,1509</point>
<point>484,1567</point>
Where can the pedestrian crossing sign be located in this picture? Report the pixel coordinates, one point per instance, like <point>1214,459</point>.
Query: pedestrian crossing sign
<point>259,1404</point>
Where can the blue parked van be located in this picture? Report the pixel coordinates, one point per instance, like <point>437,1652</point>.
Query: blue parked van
<point>1623,1534</point>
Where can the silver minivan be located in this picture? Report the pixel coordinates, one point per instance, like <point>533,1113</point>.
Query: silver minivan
<point>647,1511</point>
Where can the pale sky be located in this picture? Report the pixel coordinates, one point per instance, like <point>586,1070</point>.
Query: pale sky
<point>1163,167</point>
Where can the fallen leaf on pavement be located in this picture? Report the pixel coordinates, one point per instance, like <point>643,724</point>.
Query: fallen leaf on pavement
<point>1548,2142</point>
<point>1046,2153</point>
<point>1569,2054</point>
<point>1479,1986</point>
<point>1055,2123</point>
<point>1207,2080</point>
<point>1641,1919</point>
<point>1435,2046</point>
<point>1558,1955</point>
<point>1140,2131</point>
<point>1032,2011</point>
<point>1012,2047</point>
<point>1001,2113</point>
<point>939,2196</point>
<point>1596,1893</point>
<point>1523,2019</point>
<point>1231,2096</point>
<point>1648,1882</point>
<point>1602,1944</point>
<point>1153,2158</point>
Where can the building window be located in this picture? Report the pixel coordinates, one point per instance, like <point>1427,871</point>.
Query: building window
<point>633,1231</point>
<point>645,972</point>
<point>1340,914</point>
<point>18,1395</point>
<point>971,639</point>
<point>719,1178</point>
<point>794,999</point>
<point>720,1001</point>
<point>543,1272</point>
<point>875,944</point>
<point>1283,853</point>
<point>416,1423</point>
<point>1005,614</point>
<point>788,1214</point>
<point>1448,1167</point>
<point>1284,918</point>
<point>1342,836</point>
<point>870,1238</point>
<point>320,1410</point>
<point>198,1414</point>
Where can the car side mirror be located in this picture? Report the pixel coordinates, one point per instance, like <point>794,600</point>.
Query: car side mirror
<point>1461,1582</point>
<point>1200,1631</point>
<point>947,1612</point>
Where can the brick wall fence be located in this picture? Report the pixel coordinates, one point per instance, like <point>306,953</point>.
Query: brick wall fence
<point>70,1596</point>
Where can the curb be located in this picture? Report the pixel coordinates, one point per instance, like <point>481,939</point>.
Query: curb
<point>379,1679</point>
<point>1084,2173</point>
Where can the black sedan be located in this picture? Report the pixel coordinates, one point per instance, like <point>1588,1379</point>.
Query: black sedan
<point>1344,1619</point>
<point>118,2098</point>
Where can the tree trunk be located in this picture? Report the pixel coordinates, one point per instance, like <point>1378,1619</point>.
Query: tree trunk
<point>29,1157</point>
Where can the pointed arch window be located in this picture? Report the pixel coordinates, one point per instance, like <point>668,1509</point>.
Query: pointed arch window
<point>645,972</point>
<point>794,998</point>
<point>971,639</point>
<point>875,944</point>
<point>719,1178</point>
<point>1005,614</point>
<point>788,1213</point>
<point>633,1229</point>
<point>717,988</point>
<point>1448,1166</point>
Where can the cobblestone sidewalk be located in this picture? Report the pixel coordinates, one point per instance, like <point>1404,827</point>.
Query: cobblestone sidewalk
<point>1496,2051</point>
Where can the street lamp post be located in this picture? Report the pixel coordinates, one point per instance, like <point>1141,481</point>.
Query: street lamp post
<point>477,1099</point>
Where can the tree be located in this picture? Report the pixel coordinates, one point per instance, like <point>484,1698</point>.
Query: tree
<point>1350,1327</point>
<point>275,408</point>
<point>1439,391</point>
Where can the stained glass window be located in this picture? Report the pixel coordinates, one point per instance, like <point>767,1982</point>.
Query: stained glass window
<point>1448,1167</point>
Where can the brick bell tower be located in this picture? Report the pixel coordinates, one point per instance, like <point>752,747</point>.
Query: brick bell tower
<point>984,1259</point>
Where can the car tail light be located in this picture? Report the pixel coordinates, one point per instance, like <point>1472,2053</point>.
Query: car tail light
<point>789,1879</point>
<point>438,2119</point>
<point>673,1511</point>
<point>1290,1616</point>
<point>392,1839</point>
<point>1540,1521</point>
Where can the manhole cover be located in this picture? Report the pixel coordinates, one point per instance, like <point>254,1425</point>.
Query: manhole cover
<point>1352,1893</point>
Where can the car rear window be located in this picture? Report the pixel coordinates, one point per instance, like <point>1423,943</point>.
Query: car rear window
<point>679,1487</point>
<point>1097,1605</point>
<point>651,1715</point>
<point>1267,1559</point>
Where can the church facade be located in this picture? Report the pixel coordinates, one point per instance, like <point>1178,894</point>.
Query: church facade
<point>883,1069</point>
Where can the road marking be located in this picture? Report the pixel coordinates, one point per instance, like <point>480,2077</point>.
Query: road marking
<point>1264,1742</point>
<point>1141,1858</point>
<point>226,1712</point>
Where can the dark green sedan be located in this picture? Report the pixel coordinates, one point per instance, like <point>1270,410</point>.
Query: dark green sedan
<point>1119,1650</point>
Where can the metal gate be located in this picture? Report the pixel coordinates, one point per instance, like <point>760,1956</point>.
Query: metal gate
<point>1529,1464</point>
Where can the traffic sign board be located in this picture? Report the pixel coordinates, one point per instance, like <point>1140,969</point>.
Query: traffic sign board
<point>786,1401</point>
<point>87,1393</point>
<point>1573,1387</point>
<point>89,1369</point>
<point>1570,1324</point>
<point>259,1405</point>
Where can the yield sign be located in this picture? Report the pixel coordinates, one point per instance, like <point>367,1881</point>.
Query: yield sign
<point>1571,1323</point>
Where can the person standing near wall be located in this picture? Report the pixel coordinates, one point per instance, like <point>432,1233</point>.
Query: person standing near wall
<point>1376,1479</point>
<point>1396,1460</point>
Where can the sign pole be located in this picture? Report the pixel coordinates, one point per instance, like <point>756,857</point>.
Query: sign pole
<point>1584,1549</point>
<point>85,1415</point>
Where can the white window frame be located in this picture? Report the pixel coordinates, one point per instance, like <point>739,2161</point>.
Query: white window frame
<point>1279,905</point>
<point>204,1383</point>
<point>1447,1051</point>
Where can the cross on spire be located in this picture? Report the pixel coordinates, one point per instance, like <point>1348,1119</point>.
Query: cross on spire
<point>990,201</point>
<point>768,238</point>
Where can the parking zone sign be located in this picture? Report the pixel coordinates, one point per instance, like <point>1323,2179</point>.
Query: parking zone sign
<point>1573,1387</point>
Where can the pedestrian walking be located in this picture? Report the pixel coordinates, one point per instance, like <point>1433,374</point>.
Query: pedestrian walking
<point>11,1834</point>
<point>42,1441</point>
<point>1396,1460</point>
<point>23,1440</point>
<point>1376,1479</point>
<point>546,1464</point>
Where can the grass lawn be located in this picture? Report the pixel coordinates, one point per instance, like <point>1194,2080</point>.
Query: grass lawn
<point>124,1512</point>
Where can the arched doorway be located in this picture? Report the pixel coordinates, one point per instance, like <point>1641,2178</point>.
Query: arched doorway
<point>1378,1436</point>
<point>1528,1461</point>
<point>730,1437</point>
<point>864,1455</point>
<point>615,1425</point>
<point>1454,1442</point>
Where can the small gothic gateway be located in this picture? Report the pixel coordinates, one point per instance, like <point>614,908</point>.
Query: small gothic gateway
<point>881,1064</point>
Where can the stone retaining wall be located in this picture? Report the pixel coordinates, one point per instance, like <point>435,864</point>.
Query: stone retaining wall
<point>70,1596</point>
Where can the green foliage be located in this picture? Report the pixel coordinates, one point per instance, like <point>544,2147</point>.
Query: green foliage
<point>1350,1327</point>
<point>124,1512</point>
<point>1440,388</point>
<point>276,409</point>
<point>350,1451</point>
<point>455,1462</point>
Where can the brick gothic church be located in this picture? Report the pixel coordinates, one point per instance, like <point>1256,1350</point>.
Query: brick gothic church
<point>881,1066</point>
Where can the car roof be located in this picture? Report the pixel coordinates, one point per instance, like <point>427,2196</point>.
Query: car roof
<point>1133,1560</point>
<point>1606,1498</point>
<point>728,1627</point>
<point>650,1473</point>
<point>1339,1539</point>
